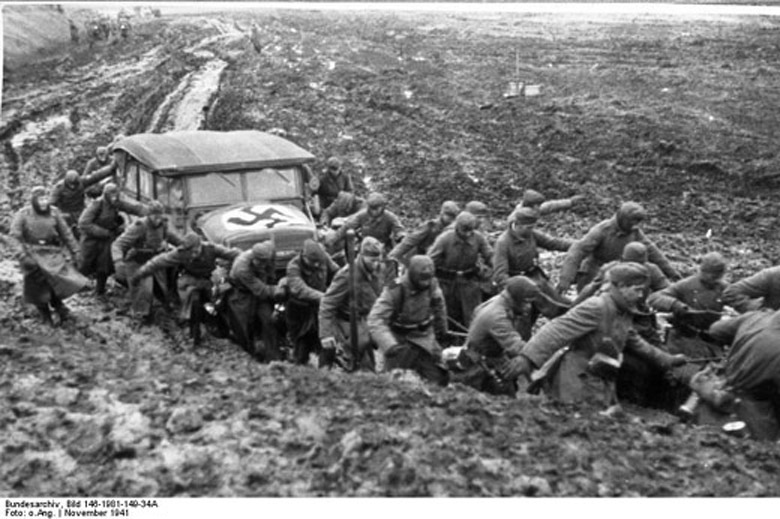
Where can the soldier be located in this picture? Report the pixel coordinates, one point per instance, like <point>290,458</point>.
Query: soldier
<point>764,284</point>
<point>251,301</point>
<point>461,256</point>
<point>605,242</point>
<point>99,225</point>
<point>752,370</point>
<point>480,210</point>
<point>346,204</point>
<point>139,243</point>
<point>333,181</point>
<point>696,303</point>
<point>406,320</point>
<point>334,316</point>
<point>101,159</point>
<point>537,202</point>
<point>638,381</point>
<point>421,239</point>
<point>375,221</point>
<point>195,261</point>
<point>493,337</point>
<point>308,277</point>
<point>517,253</point>
<point>635,252</point>
<point>49,275</point>
<point>68,195</point>
<point>581,350</point>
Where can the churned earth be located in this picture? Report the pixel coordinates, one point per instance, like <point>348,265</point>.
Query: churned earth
<point>679,114</point>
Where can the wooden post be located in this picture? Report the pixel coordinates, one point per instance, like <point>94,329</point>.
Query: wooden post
<point>349,244</point>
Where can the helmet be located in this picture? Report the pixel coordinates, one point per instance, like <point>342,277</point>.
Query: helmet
<point>263,250</point>
<point>375,201</point>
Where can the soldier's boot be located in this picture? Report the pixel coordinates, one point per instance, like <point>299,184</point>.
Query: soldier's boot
<point>100,285</point>
<point>45,312</point>
<point>61,309</point>
<point>196,333</point>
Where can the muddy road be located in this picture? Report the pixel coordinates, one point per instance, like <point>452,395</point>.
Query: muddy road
<point>680,116</point>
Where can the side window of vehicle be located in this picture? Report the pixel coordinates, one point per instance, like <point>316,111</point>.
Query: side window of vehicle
<point>145,183</point>
<point>131,179</point>
<point>170,192</point>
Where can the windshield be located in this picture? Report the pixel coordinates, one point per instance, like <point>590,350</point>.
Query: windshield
<point>226,188</point>
<point>216,189</point>
<point>272,184</point>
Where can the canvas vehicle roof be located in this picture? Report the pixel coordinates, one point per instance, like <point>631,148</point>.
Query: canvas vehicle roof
<point>182,153</point>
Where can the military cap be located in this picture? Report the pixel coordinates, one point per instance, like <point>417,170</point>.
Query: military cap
<point>628,274</point>
<point>333,163</point>
<point>476,208</point>
<point>713,262</point>
<point>110,189</point>
<point>635,251</point>
<point>376,200</point>
<point>520,288</point>
<point>370,246</point>
<point>263,250</point>
<point>71,176</point>
<point>313,252</point>
<point>420,268</point>
<point>190,241</point>
<point>465,221</point>
<point>450,208</point>
<point>37,191</point>
<point>525,216</point>
<point>531,197</point>
<point>632,209</point>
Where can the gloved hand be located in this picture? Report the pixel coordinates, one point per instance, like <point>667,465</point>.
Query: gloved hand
<point>562,287</point>
<point>676,360</point>
<point>517,366</point>
<point>608,347</point>
<point>681,310</point>
<point>280,294</point>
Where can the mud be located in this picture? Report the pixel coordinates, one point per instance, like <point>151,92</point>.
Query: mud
<point>676,115</point>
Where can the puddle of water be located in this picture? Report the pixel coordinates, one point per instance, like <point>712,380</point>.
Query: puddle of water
<point>34,129</point>
<point>169,100</point>
<point>189,113</point>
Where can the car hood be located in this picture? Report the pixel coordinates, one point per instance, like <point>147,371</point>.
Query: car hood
<point>240,222</point>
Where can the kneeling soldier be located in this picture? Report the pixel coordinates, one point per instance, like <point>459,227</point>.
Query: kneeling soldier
<point>334,316</point>
<point>308,276</point>
<point>139,243</point>
<point>251,301</point>
<point>493,338</point>
<point>407,318</point>
<point>195,260</point>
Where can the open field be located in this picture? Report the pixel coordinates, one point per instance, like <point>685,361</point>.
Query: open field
<point>676,114</point>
